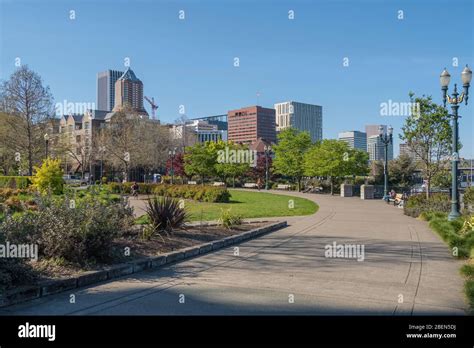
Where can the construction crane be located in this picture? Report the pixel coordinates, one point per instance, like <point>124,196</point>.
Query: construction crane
<point>153,106</point>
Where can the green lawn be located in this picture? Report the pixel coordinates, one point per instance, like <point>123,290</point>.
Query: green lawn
<point>250,205</point>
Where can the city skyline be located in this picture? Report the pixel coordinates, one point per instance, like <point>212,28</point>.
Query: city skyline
<point>284,59</point>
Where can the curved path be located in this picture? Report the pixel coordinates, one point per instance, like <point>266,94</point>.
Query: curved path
<point>407,270</point>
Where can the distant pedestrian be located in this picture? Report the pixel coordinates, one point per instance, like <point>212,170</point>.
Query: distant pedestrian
<point>259,184</point>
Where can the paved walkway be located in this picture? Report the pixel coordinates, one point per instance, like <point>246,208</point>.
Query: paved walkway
<point>407,270</point>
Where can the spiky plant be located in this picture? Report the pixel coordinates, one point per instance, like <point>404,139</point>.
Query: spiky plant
<point>166,214</point>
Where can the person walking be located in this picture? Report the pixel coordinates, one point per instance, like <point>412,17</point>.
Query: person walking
<point>134,189</point>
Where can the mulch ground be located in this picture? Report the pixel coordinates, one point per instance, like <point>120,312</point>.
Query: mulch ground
<point>138,247</point>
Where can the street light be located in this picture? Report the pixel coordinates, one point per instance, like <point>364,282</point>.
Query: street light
<point>171,154</point>
<point>386,139</point>
<point>268,151</point>
<point>46,140</point>
<point>455,99</point>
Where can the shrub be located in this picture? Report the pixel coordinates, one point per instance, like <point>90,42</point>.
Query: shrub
<point>80,235</point>
<point>418,204</point>
<point>227,219</point>
<point>165,213</point>
<point>469,196</point>
<point>198,193</point>
<point>49,177</point>
<point>14,182</point>
<point>13,271</point>
<point>450,232</point>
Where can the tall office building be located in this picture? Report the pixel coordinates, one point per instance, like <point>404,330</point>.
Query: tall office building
<point>106,89</point>
<point>376,149</point>
<point>355,139</point>
<point>129,92</point>
<point>304,117</point>
<point>248,124</point>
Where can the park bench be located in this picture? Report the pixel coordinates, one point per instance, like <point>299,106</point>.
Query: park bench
<point>283,187</point>
<point>218,183</point>
<point>192,183</point>
<point>397,200</point>
<point>250,185</point>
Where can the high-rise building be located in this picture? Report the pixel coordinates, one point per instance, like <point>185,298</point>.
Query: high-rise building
<point>248,124</point>
<point>376,149</point>
<point>355,139</point>
<point>301,116</point>
<point>106,89</point>
<point>129,92</point>
<point>406,150</point>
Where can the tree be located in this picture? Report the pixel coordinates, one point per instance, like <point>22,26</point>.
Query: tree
<point>428,134</point>
<point>200,160</point>
<point>130,142</point>
<point>334,159</point>
<point>401,171</point>
<point>178,165</point>
<point>229,168</point>
<point>7,153</point>
<point>24,97</point>
<point>259,171</point>
<point>289,153</point>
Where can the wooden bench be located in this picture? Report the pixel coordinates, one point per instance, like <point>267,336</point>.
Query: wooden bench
<point>250,185</point>
<point>218,183</point>
<point>192,183</point>
<point>283,187</point>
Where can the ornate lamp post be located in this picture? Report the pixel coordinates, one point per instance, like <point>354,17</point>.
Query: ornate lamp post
<point>46,141</point>
<point>386,139</point>
<point>268,151</point>
<point>171,154</point>
<point>455,99</point>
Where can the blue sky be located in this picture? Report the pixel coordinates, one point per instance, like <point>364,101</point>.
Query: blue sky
<point>190,62</point>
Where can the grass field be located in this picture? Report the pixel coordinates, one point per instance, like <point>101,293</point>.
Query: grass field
<point>249,204</point>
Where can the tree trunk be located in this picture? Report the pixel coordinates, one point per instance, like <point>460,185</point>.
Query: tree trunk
<point>428,187</point>
<point>332,188</point>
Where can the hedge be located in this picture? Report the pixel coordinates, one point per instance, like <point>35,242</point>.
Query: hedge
<point>418,204</point>
<point>15,182</point>
<point>195,192</point>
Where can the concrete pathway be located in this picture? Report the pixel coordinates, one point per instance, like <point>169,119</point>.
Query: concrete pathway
<point>407,270</point>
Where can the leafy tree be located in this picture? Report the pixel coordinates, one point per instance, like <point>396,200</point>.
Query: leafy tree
<point>49,177</point>
<point>334,159</point>
<point>401,171</point>
<point>200,160</point>
<point>428,134</point>
<point>443,177</point>
<point>24,97</point>
<point>230,169</point>
<point>289,153</point>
